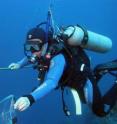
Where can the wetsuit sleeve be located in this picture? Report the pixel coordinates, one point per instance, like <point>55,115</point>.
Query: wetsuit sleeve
<point>52,78</point>
<point>23,62</point>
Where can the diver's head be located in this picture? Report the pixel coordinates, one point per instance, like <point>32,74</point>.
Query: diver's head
<point>35,40</point>
<point>36,34</point>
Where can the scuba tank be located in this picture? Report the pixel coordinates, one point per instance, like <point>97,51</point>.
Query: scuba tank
<point>78,36</point>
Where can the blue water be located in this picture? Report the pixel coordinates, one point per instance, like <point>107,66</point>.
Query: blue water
<point>16,17</point>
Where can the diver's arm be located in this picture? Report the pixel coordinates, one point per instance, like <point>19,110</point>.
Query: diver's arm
<point>52,78</point>
<point>23,62</point>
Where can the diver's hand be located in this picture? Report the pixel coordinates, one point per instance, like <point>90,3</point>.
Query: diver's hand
<point>22,104</point>
<point>14,66</point>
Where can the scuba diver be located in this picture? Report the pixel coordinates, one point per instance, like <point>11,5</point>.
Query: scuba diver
<point>60,63</point>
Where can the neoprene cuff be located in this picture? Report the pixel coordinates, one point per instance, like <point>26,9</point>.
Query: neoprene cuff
<point>31,99</point>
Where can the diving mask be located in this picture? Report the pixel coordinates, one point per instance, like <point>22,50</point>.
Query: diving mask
<point>32,46</point>
<point>32,50</point>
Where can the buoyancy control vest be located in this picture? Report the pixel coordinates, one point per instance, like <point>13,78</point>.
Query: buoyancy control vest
<point>74,75</point>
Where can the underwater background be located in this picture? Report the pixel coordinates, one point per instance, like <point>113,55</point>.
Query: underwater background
<point>17,17</point>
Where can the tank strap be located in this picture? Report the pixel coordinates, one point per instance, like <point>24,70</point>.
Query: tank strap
<point>85,38</point>
<point>65,37</point>
<point>72,32</point>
